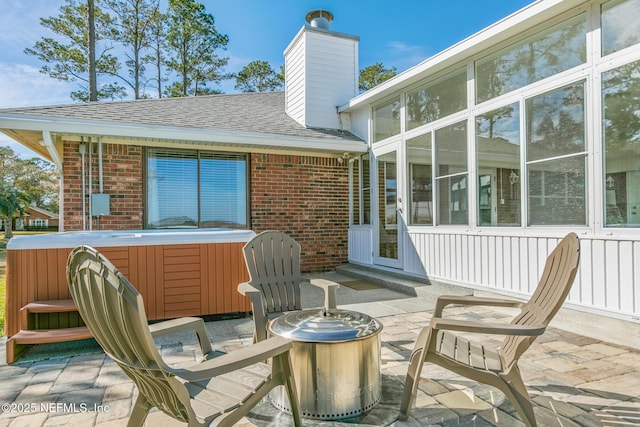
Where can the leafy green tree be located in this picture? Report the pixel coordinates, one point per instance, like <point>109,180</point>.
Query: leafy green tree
<point>258,76</point>
<point>67,58</point>
<point>12,201</point>
<point>375,74</point>
<point>135,29</point>
<point>192,40</point>
<point>157,48</point>
<point>36,178</point>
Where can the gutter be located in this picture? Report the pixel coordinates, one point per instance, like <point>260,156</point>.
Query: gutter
<point>85,127</point>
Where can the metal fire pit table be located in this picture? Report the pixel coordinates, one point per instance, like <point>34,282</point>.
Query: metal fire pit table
<point>335,359</point>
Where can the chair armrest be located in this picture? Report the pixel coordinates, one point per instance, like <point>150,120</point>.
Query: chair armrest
<point>258,308</point>
<point>486,328</point>
<point>445,300</point>
<point>330,289</point>
<point>196,324</point>
<point>235,360</point>
<point>247,290</point>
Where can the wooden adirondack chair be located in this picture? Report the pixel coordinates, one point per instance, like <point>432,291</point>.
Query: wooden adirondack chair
<point>438,343</point>
<point>216,391</point>
<point>273,261</point>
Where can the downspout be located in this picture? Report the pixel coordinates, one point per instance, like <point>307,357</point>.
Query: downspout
<point>90,182</point>
<point>47,141</point>
<point>48,144</point>
<point>82,148</point>
<point>100,164</point>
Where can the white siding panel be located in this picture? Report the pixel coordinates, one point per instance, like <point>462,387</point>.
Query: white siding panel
<point>447,255</point>
<point>514,243</point>
<point>466,260</point>
<point>459,267</point>
<point>533,274</point>
<point>608,277</point>
<point>295,76</point>
<point>598,257</point>
<point>331,77</point>
<point>360,245</point>
<point>360,123</point>
<point>412,261</point>
<point>612,275</point>
<point>586,278</point>
<point>477,254</point>
<point>635,272</point>
<point>498,263</point>
<point>626,280</point>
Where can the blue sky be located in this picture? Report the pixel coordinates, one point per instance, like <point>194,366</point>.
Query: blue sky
<point>399,34</point>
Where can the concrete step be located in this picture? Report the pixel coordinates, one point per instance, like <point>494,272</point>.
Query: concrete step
<point>403,283</point>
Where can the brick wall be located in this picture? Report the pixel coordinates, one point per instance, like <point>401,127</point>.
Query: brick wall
<point>307,198</point>
<point>303,196</point>
<point>122,167</point>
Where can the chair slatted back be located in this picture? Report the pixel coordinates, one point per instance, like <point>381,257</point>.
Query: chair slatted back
<point>553,288</point>
<point>273,261</point>
<point>113,310</point>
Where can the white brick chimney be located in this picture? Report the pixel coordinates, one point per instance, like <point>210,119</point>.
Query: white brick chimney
<point>321,72</point>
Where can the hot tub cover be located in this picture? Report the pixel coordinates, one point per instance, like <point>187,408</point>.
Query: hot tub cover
<point>71,239</point>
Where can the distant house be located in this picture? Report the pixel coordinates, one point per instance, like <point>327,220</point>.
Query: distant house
<point>466,168</point>
<point>34,218</point>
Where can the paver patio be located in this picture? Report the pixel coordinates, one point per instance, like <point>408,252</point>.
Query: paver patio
<point>573,380</point>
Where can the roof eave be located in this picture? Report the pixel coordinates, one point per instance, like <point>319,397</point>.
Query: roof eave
<point>86,127</point>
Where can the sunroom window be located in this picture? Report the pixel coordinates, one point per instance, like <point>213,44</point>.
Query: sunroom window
<point>436,100</point>
<point>189,189</point>
<point>620,25</point>
<point>420,170</point>
<point>451,178</point>
<point>556,157</point>
<point>546,53</point>
<point>621,135</point>
<point>498,153</point>
<point>360,190</point>
<point>386,120</point>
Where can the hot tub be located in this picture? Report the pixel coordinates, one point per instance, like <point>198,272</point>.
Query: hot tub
<point>189,272</point>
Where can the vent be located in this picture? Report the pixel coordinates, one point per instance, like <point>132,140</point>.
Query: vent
<point>319,18</point>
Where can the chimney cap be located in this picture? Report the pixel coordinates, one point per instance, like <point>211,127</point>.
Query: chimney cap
<point>319,18</point>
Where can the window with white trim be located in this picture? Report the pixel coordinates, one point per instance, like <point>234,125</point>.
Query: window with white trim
<point>190,189</point>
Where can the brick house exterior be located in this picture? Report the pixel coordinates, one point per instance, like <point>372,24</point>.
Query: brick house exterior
<point>307,198</point>
<point>303,196</point>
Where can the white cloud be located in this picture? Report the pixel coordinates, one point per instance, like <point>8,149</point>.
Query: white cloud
<point>404,56</point>
<point>24,85</point>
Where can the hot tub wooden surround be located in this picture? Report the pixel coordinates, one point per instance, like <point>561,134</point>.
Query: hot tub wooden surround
<point>181,279</point>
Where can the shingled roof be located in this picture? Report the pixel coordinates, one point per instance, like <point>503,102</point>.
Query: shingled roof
<point>262,113</point>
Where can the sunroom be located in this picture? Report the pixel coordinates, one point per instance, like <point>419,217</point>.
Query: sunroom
<point>484,155</point>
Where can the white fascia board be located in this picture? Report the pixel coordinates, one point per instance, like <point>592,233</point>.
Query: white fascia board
<point>535,13</point>
<point>86,127</point>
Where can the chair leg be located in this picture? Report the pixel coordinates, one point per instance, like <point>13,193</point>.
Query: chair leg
<point>140,411</point>
<point>412,379</point>
<point>292,391</point>
<point>517,394</point>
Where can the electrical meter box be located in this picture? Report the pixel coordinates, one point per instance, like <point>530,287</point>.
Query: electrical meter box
<point>100,204</point>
